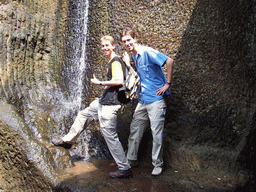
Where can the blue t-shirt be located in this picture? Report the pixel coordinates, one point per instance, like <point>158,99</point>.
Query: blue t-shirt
<point>148,63</point>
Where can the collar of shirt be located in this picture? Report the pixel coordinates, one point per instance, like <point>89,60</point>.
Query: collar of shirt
<point>139,51</point>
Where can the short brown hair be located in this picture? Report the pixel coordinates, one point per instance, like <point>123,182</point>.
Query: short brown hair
<point>108,38</point>
<point>128,32</point>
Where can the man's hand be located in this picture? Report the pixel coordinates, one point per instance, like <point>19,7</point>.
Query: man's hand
<point>162,90</point>
<point>95,81</point>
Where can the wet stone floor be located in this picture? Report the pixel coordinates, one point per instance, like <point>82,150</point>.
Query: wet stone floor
<point>93,176</point>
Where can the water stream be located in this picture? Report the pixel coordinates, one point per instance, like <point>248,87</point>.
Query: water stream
<point>75,61</point>
<point>76,70</point>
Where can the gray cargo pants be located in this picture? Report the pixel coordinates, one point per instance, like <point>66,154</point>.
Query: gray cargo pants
<point>145,113</point>
<point>107,116</point>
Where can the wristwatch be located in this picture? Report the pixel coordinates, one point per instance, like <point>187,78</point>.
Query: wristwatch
<point>100,83</point>
<point>169,83</point>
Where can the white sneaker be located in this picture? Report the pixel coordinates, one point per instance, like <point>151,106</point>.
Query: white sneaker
<point>157,171</point>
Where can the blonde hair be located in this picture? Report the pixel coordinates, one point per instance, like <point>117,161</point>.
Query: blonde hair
<point>108,38</point>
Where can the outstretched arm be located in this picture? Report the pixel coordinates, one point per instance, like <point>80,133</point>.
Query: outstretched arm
<point>169,64</point>
<point>112,82</point>
<point>117,77</point>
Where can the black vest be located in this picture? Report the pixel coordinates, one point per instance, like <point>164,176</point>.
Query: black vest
<point>110,94</point>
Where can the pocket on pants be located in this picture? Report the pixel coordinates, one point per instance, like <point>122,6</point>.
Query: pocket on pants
<point>108,116</point>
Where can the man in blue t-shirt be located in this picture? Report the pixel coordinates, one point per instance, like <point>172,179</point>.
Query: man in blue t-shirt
<point>151,107</point>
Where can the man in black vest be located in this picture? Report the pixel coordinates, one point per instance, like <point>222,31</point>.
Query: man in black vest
<point>105,111</point>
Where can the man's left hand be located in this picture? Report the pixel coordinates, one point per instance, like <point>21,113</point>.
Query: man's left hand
<point>162,90</point>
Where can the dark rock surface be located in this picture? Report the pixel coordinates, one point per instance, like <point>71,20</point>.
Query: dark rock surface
<point>209,115</point>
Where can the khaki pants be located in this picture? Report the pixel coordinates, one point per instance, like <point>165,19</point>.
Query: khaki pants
<point>107,116</point>
<point>145,113</point>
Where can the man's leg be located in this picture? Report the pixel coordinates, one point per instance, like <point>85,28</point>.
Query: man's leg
<point>138,125</point>
<point>156,113</point>
<point>108,121</point>
<point>82,120</point>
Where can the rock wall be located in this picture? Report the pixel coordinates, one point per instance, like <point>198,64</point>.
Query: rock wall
<point>17,173</point>
<point>32,41</point>
<point>32,49</point>
<point>213,92</point>
<point>212,43</point>
<point>31,34</point>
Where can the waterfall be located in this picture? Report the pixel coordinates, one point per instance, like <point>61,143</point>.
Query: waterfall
<point>75,60</point>
<point>60,103</point>
<point>70,98</point>
<point>76,68</point>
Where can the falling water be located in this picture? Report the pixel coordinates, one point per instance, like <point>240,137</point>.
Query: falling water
<point>76,68</point>
<point>61,102</point>
<point>75,61</point>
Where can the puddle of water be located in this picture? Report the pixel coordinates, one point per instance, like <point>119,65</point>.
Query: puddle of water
<point>93,176</point>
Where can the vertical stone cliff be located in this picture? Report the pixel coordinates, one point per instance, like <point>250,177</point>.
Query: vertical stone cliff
<point>213,92</point>
<point>32,41</point>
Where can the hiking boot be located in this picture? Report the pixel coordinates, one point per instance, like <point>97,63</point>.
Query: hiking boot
<point>157,171</point>
<point>133,163</point>
<point>59,142</point>
<point>121,173</point>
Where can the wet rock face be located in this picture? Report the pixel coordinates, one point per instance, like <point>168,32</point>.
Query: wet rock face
<point>29,58</point>
<point>48,161</point>
<point>28,36</point>
<point>27,33</point>
<point>213,92</point>
<point>247,157</point>
<point>15,168</point>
